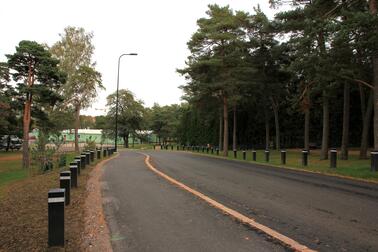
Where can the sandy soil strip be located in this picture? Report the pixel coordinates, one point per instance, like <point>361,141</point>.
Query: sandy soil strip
<point>96,232</point>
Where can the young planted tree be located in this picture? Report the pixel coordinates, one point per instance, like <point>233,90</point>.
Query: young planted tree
<point>37,77</point>
<point>75,51</point>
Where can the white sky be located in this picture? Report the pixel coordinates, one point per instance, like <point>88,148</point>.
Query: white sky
<point>157,30</point>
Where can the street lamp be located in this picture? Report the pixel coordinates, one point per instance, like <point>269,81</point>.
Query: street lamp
<point>116,116</point>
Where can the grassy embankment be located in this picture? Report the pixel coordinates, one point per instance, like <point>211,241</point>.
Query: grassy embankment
<point>354,167</point>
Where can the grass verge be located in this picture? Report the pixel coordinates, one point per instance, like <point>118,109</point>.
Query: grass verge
<point>353,168</point>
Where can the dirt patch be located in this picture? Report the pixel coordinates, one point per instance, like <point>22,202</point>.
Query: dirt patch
<point>96,233</point>
<point>23,211</point>
<point>11,157</point>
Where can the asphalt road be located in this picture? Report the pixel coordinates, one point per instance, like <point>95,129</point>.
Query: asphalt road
<point>146,213</point>
<point>321,212</point>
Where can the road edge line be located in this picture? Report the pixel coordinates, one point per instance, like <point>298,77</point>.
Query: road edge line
<point>292,244</point>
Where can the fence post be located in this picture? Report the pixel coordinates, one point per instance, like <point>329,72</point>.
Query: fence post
<point>56,201</point>
<point>73,170</point>
<point>92,155</point>
<point>283,157</point>
<point>333,159</point>
<point>374,161</point>
<point>65,182</point>
<point>235,153</point>
<point>304,157</point>
<point>244,155</point>
<point>253,155</point>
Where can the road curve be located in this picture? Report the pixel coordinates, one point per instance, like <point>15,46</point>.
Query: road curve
<point>146,213</point>
<point>324,213</point>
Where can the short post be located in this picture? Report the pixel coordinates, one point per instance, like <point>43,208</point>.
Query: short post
<point>87,158</point>
<point>333,160</point>
<point>98,154</point>
<point>244,155</point>
<point>166,147</point>
<point>183,147</point>
<point>177,147</point>
<point>235,153</point>
<point>203,149</point>
<point>374,160</point>
<point>77,163</point>
<point>207,150</point>
<point>55,201</point>
<point>172,147</point>
<point>305,157</point>
<point>65,183</point>
<point>154,146</point>
<point>212,150</point>
<point>283,157</point>
<point>266,155</point>
<point>253,155</point>
<point>74,171</point>
<point>92,155</point>
<point>217,151</point>
<point>104,152</point>
<point>83,160</point>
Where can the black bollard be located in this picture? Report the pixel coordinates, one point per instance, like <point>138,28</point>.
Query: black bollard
<point>65,183</point>
<point>154,146</point>
<point>304,157</point>
<point>254,155</point>
<point>283,157</point>
<point>266,155</point>
<point>235,153</point>
<point>104,153</point>
<point>56,217</point>
<point>77,163</point>
<point>212,150</point>
<point>207,150</point>
<point>183,147</point>
<point>98,154</point>
<point>171,147</point>
<point>244,155</point>
<point>83,160</point>
<point>374,161</point>
<point>217,152</point>
<point>87,158</point>
<point>333,159</point>
<point>92,155</point>
<point>177,147</point>
<point>203,149</point>
<point>166,147</point>
<point>74,172</point>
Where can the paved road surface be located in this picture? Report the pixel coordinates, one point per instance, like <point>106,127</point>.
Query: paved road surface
<point>323,213</point>
<point>146,213</point>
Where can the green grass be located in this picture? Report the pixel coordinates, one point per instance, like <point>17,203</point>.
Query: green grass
<point>354,167</point>
<point>11,168</point>
<point>140,146</point>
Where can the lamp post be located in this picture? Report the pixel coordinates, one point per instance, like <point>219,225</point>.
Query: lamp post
<point>116,116</point>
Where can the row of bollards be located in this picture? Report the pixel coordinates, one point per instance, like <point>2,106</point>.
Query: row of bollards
<point>58,198</point>
<point>304,156</point>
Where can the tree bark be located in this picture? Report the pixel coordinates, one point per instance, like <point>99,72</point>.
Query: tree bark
<point>234,141</point>
<point>220,131</point>
<point>346,118</point>
<point>307,129</point>
<point>373,11</point>
<point>277,123</point>
<point>26,129</point>
<point>266,129</point>
<point>325,135</point>
<point>225,128</point>
<point>366,127</point>
<point>77,126</point>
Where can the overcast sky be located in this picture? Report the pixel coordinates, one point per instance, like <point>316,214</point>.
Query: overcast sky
<point>157,30</point>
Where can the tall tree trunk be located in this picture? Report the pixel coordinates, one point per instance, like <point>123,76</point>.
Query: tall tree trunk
<point>266,129</point>
<point>26,128</point>
<point>234,141</point>
<point>346,116</point>
<point>225,128</point>
<point>366,127</point>
<point>276,123</point>
<point>220,131</point>
<point>373,11</point>
<point>77,126</point>
<point>307,129</point>
<point>325,135</point>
